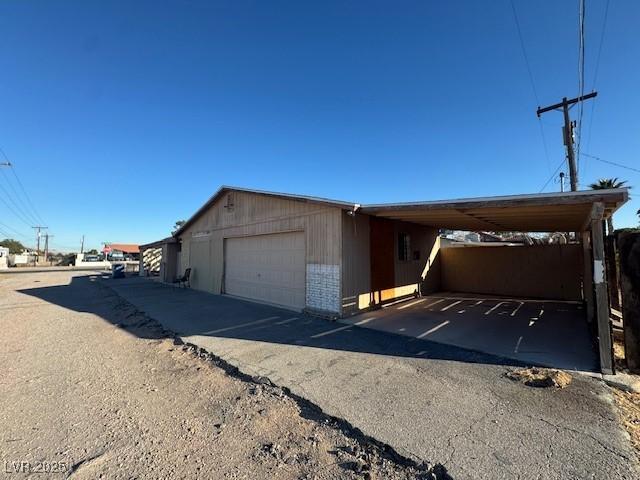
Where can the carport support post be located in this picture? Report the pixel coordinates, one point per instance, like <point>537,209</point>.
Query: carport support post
<point>601,299</point>
<point>141,264</point>
<point>587,276</point>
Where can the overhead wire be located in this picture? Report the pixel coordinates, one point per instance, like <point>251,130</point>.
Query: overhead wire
<point>552,176</point>
<point>581,49</point>
<point>15,209</point>
<point>15,232</point>
<point>32,209</point>
<point>15,198</point>
<point>531,80</point>
<point>610,162</point>
<point>596,71</point>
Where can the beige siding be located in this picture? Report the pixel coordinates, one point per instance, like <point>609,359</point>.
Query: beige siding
<point>254,214</point>
<point>538,271</point>
<point>356,266</point>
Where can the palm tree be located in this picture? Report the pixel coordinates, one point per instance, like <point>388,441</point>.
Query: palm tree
<point>605,184</point>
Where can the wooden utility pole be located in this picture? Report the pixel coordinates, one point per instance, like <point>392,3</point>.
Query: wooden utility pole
<point>38,228</point>
<point>568,132</point>
<point>46,246</point>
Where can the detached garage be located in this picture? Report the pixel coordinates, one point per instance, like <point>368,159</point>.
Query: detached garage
<point>339,258</point>
<point>279,249</point>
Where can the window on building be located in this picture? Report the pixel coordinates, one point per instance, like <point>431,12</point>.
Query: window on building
<point>404,247</point>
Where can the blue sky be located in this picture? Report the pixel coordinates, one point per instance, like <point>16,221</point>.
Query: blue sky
<point>122,117</point>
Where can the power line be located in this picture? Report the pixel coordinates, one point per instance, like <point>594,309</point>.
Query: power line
<point>16,232</point>
<point>16,212</point>
<point>553,175</point>
<point>597,70</point>
<point>581,48</point>
<point>610,162</point>
<point>23,208</point>
<point>604,27</point>
<point>524,52</point>
<point>531,79</point>
<point>36,215</point>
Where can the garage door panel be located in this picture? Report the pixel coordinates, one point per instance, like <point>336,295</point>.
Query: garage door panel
<point>268,268</point>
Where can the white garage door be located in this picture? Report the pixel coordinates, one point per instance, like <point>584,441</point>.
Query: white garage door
<point>269,268</point>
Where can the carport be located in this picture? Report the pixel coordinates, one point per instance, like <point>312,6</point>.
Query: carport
<point>513,285</point>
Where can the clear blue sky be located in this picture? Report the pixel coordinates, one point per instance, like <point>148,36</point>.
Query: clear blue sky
<point>122,117</point>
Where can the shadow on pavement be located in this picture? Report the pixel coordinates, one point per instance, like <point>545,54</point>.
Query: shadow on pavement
<point>187,312</point>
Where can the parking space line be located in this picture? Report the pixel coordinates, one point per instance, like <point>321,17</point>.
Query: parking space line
<point>282,322</point>
<point>513,314</point>
<point>435,303</point>
<point>494,307</point>
<point>412,304</point>
<point>339,329</point>
<point>452,305</point>
<point>240,325</point>
<point>430,331</point>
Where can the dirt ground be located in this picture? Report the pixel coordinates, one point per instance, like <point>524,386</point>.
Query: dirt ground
<point>83,397</point>
<point>628,403</point>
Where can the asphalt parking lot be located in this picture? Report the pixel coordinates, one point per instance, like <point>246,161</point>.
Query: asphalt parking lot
<point>540,332</point>
<point>426,399</point>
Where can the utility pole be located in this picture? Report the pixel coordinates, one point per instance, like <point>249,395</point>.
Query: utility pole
<point>46,246</point>
<point>38,228</point>
<point>565,105</point>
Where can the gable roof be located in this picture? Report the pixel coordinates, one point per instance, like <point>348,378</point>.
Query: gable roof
<point>539,212</point>
<point>286,196</point>
<point>125,247</point>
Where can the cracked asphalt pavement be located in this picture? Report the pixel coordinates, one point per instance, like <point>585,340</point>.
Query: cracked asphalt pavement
<point>428,401</point>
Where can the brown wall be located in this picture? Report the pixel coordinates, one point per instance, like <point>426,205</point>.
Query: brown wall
<point>537,271</point>
<point>370,258</point>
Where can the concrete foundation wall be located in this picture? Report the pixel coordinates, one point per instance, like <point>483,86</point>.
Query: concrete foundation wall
<point>537,271</point>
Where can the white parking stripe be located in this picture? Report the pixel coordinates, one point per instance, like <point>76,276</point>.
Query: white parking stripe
<point>339,329</point>
<point>437,327</point>
<point>282,322</point>
<point>513,314</point>
<point>412,304</point>
<point>452,305</point>
<point>494,307</point>
<point>435,303</point>
<point>518,345</point>
<point>240,325</point>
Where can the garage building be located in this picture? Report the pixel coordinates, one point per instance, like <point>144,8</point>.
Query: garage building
<point>339,258</point>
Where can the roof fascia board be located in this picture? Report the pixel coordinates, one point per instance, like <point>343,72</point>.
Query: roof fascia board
<point>618,195</point>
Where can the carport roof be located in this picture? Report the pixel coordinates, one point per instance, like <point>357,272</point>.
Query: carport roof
<point>544,212</point>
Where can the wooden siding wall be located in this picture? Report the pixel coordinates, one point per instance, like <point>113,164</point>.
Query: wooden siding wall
<point>254,214</point>
<point>356,264</point>
<point>537,271</point>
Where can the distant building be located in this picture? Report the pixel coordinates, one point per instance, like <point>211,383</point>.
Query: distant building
<point>4,258</point>
<point>121,251</point>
